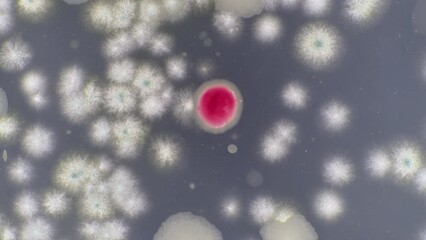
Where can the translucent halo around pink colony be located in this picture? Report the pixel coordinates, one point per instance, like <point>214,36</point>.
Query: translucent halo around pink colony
<point>218,106</point>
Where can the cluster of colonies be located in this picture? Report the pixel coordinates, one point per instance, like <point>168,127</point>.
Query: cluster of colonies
<point>119,108</point>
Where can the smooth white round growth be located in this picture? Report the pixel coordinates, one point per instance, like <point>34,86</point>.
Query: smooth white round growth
<point>247,8</point>
<point>294,228</point>
<point>186,226</point>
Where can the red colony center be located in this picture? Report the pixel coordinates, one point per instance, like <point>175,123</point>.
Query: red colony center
<point>217,105</point>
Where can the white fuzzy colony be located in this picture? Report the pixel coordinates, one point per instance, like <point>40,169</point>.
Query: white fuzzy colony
<point>183,108</point>
<point>262,209</point>
<point>228,25</point>
<point>176,68</point>
<point>125,193</point>
<point>364,12</point>
<point>114,229</point>
<point>100,132</point>
<point>316,8</point>
<point>121,71</point>
<point>328,205</point>
<point>268,29</point>
<point>107,196</point>
<point>26,205</point>
<point>100,192</point>
<point>176,10</point>
<point>338,171</point>
<point>277,142</point>
<point>420,181</point>
<point>9,128</point>
<point>37,229</point>
<point>38,141</point>
<point>34,86</point>
<point>407,160</point>
<point>79,98</point>
<point>56,203</point>
<point>120,99</point>
<point>166,152</point>
<point>95,204</point>
<point>378,163</point>
<point>335,116</point>
<point>230,208</point>
<point>294,96</point>
<point>8,232</point>
<point>15,55</point>
<point>205,68</point>
<point>128,134</point>
<point>34,11</point>
<point>155,106</point>
<point>20,171</point>
<point>118,46</point>
<point>161,44</point>
<point>318,46</point>
<point>7,21</point>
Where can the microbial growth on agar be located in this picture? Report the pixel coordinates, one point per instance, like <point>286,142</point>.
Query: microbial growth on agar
<point>220,119</point>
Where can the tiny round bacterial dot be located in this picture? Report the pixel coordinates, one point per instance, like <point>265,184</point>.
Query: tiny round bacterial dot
<point>232,148</point>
